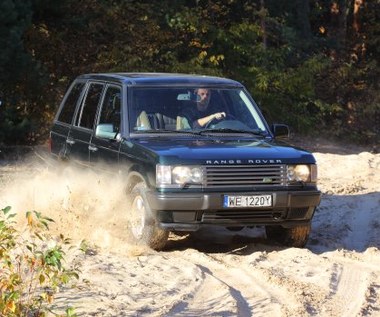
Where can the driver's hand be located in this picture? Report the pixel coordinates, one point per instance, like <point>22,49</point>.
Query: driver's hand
<point>219,115</point>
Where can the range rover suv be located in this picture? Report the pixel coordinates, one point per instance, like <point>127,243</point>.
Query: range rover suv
<point>230,170</point>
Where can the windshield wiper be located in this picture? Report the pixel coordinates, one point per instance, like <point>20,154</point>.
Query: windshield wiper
<point>228,130</point>
<point>204,132</point>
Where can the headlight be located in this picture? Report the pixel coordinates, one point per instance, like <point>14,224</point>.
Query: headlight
<point>178,176</point>
<point>302,173</point>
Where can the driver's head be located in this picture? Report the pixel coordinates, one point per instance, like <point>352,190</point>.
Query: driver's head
<point>203,98</point>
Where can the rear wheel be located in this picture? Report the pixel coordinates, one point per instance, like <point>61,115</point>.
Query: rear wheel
<point>143,224</point>
<point>292,237</point>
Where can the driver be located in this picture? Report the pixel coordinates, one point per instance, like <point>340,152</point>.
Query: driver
<point>202,114</point>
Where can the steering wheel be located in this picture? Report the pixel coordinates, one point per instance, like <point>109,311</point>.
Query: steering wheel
<point>215,121</point>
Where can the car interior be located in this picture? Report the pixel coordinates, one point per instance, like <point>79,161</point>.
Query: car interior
<point>158,111</point>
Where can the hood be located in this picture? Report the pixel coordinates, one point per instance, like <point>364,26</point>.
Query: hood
<point>219,151</point>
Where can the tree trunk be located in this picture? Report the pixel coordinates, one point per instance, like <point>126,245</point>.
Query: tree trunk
<point>360,48</point>
<point>263,14</point>
<point>303,21</point>
<point>342,24</point>
<point>356,25</point>
<point>339,12</point>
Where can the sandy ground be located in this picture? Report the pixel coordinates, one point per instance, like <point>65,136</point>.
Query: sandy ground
<point>219,273</point>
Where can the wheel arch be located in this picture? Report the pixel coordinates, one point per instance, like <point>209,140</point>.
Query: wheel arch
<point>133,179</point>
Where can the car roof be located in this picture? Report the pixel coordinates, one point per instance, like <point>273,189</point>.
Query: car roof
<point>162,79</point>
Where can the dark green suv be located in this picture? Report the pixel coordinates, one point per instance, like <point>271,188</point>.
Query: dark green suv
<point>195,150</point>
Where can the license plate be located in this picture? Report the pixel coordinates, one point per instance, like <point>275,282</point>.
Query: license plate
<point>247,201</point>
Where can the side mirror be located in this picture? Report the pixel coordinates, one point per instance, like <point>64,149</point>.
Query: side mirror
<point>280,131</point>
<point>105,131</point>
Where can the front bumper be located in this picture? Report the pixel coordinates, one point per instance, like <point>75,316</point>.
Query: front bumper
<point>189,211</point>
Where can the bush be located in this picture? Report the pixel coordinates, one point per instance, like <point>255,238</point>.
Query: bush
<point>31,266</point>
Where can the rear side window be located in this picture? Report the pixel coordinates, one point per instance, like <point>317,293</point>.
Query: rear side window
<point>71,101</point>
<point>87,115</point>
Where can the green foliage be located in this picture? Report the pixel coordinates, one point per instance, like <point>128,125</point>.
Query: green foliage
<point>15,16</point>
<point>297,59</point>
<point>14,125</point>
<point>21,77</point>
<point>31,266</point>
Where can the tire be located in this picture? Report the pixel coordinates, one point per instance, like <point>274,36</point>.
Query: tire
<point>143,225</point>
<point>292,237</point>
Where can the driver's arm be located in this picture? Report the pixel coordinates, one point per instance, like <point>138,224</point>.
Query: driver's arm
<point>203,121</point>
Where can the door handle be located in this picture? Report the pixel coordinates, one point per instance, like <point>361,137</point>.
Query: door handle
<point>92,148</point>
<point>70,141</point>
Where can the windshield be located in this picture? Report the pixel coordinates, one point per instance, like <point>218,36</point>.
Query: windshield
<point>193,109</point>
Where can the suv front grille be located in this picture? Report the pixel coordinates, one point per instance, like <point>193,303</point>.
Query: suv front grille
<point>245,175</point>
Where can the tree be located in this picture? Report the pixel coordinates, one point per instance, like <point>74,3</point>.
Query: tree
<point>306,62</point>
<point>16,68</point>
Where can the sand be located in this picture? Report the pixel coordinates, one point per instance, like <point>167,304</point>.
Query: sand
<point>216,272</point>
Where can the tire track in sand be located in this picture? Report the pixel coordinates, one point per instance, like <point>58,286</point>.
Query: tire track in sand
<point>250,292</point>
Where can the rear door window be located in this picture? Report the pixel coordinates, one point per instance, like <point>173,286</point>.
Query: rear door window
<point>86,116</point>
<point>70,103</point>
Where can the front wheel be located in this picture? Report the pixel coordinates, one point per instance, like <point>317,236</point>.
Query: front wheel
<point>143,224</point>
<point>292,237</point>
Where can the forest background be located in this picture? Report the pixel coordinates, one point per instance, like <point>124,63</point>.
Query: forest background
<point>311,64</point>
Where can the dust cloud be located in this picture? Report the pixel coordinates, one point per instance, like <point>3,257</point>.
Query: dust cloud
<point>84,205</point>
